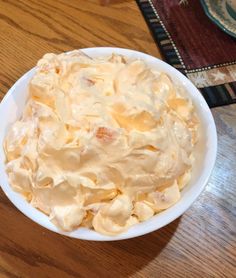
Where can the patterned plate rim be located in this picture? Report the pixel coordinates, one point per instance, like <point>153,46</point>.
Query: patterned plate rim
<point>217,21</point>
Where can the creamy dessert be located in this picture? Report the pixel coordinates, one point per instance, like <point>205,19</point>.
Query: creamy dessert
<point>103,143</point>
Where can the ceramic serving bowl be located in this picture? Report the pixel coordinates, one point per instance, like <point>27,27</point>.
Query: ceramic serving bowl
<point>11,109</point>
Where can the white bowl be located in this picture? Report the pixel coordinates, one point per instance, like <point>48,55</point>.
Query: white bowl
<point>11,109</point>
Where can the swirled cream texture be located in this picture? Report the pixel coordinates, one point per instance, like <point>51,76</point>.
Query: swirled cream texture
<point>103,143</point>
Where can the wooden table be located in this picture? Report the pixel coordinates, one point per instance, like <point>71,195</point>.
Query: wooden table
<point>201,243</point>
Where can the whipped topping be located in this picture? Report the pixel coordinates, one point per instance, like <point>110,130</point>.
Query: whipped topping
<point>103,143</point>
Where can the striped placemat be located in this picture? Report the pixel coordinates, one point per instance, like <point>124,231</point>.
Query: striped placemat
<point>194,45</point>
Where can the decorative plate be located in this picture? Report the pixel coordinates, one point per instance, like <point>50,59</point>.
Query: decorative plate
<point>221,14</point>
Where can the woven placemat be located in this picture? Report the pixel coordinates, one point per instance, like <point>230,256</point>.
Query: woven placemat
<point>194,45</point>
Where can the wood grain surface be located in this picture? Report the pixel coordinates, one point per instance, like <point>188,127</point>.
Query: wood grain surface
<point>201,243</point>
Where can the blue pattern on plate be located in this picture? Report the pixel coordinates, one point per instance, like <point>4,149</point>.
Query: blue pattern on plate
<point>221,14</point>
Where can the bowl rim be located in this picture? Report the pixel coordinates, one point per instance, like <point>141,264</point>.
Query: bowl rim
<point>36,215</point>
